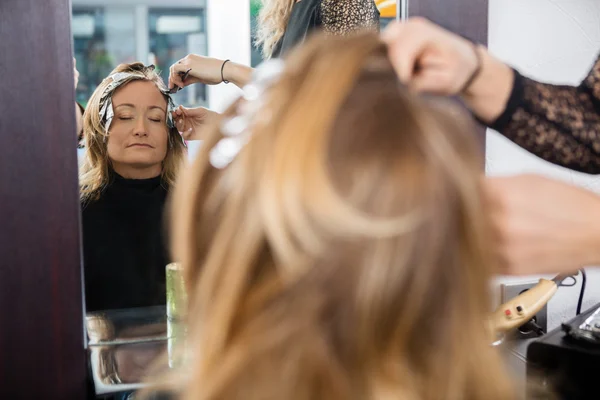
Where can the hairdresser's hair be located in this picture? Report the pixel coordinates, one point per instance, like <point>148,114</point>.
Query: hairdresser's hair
<point>95,170</point>
<point>342,254</point>
<point>272,23</point>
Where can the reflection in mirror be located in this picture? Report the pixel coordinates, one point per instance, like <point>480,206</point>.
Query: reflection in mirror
<point>131,148</point>
<point>126,346</point>
<point>132,157</point>
<point>387,13</point>
<point>130,151</point>
<point>126,326</point>
<point>121,368</point>
<point>126,175</point>
<point>136,30</point>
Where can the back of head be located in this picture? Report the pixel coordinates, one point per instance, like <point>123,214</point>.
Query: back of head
<point>342,253</point>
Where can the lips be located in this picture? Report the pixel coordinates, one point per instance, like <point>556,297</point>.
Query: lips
<point>141,145</point>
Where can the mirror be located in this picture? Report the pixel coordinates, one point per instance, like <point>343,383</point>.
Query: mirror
<point>124,240</point>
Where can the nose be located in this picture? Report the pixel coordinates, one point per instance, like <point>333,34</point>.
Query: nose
<point>140,128</point>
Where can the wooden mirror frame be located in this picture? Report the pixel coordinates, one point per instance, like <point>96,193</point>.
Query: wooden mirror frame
<point>42,351</point>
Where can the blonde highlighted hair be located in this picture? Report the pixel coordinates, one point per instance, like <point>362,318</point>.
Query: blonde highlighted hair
<point>95,171</point>
<point>342,254</point>
<point>272,23</point>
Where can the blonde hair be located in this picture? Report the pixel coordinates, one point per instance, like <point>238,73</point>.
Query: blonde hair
<point>342,254</point>
<point>95,170</point>
<point>272,23</point>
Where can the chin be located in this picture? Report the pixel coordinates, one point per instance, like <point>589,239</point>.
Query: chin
<point>143,159</point>
<point>143,163</point>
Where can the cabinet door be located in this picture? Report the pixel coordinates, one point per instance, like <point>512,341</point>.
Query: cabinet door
<point>41,330</point>
<point>468,18</point>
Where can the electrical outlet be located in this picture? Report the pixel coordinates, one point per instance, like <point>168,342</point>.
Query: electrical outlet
<point>511,290</point>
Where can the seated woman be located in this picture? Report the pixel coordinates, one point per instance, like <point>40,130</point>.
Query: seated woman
<point>334,241</point>
<point>133,153</point>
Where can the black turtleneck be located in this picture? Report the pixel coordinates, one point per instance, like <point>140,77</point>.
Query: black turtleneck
<point>124,245</point>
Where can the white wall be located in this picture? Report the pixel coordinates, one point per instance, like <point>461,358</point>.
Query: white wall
<point>228,32</point>
<point>554,41</point>
<point>228,23</point>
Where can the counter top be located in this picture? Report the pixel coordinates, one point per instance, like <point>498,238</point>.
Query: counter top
<point>124,346</point>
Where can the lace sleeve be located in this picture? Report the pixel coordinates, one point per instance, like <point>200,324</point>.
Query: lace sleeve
<point>347,16</point>
<point>560,124</point>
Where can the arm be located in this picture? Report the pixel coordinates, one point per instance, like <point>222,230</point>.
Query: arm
<point>342,18</point>
<point>238,74</point>
<point>207,70</point>
<point>558,123</point>
<point>543,225</point>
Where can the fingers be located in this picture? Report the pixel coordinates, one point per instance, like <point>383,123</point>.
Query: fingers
<point>179,118</point>
<point>182,122</point>
<point>406,42</point>
<point>198,113</point>
<point>176,72</point>
<point>432,81</point>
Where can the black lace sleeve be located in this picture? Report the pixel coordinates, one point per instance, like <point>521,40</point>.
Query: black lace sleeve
<point>560,124</point>
<point>346,16</point>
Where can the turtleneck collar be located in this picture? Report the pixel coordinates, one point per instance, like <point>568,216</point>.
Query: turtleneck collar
<point>143,184</point>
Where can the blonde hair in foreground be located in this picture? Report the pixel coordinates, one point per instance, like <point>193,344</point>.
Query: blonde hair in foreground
<point>94,173</point>
<point>341,255</point>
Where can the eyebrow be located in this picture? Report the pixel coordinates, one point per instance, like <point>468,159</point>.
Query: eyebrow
<point>133,106</point>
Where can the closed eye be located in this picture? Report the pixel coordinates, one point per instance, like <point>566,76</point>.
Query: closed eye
<point>125,118</point>
<point>155,120</point>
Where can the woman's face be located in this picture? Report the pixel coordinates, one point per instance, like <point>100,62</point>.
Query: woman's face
<point>138,136</point>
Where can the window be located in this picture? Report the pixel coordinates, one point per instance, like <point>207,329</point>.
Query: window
<point>173,35</point>
<point>105,36</point>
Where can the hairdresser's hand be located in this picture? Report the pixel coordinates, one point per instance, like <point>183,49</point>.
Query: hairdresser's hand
<point>543,225</point>
<point>194,122</point>
<point>431,59</point>
<point>201,69</point>
<point>207,70</point>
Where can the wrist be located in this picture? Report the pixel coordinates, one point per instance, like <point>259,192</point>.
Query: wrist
<point>489,91</point>
<point>235,73</point>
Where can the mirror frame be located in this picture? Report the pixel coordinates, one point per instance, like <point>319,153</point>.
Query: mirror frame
<point>41,306</point>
